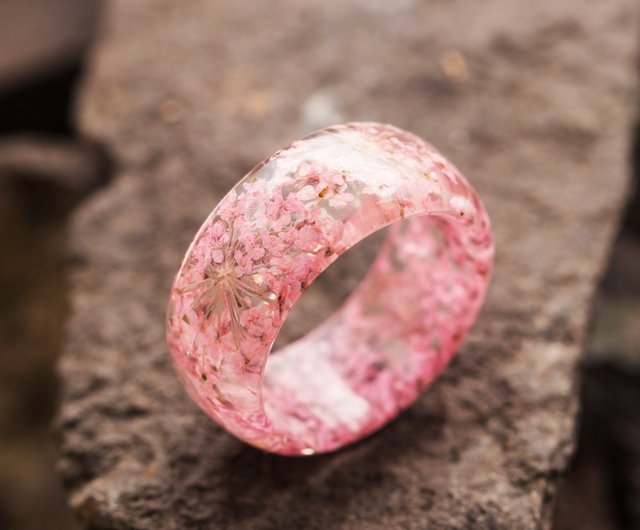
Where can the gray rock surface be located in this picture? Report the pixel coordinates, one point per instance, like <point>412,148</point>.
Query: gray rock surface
<point>533,103</point>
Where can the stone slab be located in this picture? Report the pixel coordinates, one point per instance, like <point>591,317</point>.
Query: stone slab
<point>533,104</point>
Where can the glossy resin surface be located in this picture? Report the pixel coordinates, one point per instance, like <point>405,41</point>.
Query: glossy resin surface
<point>274,233</point>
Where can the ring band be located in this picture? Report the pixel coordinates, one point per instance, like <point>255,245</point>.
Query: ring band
<point>284,223</point>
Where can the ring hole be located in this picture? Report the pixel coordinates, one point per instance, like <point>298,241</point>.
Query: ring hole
<point>327,293</point>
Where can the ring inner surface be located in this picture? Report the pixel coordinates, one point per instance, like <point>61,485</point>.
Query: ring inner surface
<point>386,342</point>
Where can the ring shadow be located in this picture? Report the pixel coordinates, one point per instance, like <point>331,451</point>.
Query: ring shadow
<point>253,487</point>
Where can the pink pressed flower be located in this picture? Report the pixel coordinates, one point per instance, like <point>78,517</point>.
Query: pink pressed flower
<point>256,253</point>
<point>255,188</point>
<point>341,199</point>
<point>254,320</point>
<point>216,238</point>
<point>335,179</point>
<point>336,232</point>
<point>275,205</point>
<point>253,247</point>
<point>273,244</point>
<point>308,238</point>
<point>309,171</point>
<point>281,221</point>
<point>461,206</point>
<point>218,231</point>
<point>294,270</point>
<point>244,264</point>
<point>322,183</point>
<point>295,206</point>
<point>307,193</point>
<point>405,203</point>
<point>228,206</point>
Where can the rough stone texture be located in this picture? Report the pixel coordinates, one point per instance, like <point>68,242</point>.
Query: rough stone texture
<point>533,104</point>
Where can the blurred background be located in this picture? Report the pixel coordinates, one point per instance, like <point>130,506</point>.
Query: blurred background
<point>46,169</point>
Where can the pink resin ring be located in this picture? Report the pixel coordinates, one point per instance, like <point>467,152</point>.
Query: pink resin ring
<point>274,233</point>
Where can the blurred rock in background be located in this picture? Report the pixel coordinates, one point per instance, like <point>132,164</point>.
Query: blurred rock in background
<point>44,171</point>
<point>602,488</point>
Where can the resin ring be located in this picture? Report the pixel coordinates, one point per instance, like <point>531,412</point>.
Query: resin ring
<point>274,233</point>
